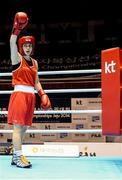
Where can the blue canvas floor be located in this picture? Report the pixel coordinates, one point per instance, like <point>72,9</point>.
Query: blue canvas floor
<point>63,168</point>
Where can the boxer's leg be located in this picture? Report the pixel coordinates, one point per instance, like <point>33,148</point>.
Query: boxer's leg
<point>18,159</point>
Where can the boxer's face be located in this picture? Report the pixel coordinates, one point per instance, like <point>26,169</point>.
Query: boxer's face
<point>27,48</point>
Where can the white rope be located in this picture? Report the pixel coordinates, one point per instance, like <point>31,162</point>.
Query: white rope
<point>62,112</point>
<point>5,74</point>
<point>81,131</point>
<point>70,72</point>
<point>61,72</point>
<point>62,91</point>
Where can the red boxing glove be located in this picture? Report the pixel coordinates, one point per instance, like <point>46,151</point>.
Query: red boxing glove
<point>20,21</point>
<point>45,101</point>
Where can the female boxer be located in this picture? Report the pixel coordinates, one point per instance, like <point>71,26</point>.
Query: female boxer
<point>24,80</point>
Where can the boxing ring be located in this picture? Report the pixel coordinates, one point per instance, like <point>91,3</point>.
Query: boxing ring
<point>72,167</point>
<point>64,169</point>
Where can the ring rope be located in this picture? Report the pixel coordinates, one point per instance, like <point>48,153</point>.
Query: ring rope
<point>62,91</point>
<point>81,131</point>
<point>61,72</point>
<point>62,112</point>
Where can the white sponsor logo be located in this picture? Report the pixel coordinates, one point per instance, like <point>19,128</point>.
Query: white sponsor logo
<point>110,67</point>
